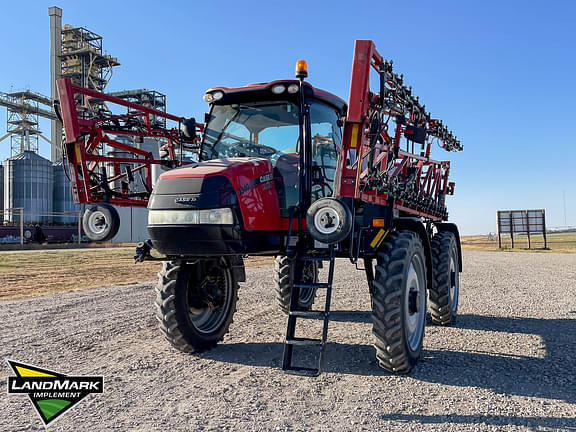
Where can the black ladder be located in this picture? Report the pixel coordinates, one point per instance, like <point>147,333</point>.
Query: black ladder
<point>295,313</point>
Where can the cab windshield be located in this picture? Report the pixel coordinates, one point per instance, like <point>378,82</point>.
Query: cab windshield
<point>270,130</point>
<point>266,129</point>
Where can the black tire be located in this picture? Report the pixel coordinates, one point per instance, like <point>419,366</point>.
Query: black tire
<point>283,283</point>
<point>329,220</point>
<point>28,234</point>
<point>445,288</point>
<point>195,303</point>
<point>399,302</point>
<point>100,222</point>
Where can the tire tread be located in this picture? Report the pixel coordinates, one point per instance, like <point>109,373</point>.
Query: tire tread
<point>391,348</point>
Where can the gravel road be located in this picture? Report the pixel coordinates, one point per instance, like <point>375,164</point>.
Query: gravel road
<point>509,364</point>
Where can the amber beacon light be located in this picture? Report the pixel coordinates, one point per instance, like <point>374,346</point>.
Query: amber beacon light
<point>301,69</point>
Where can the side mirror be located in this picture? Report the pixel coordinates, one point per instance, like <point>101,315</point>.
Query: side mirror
<point>189,128</point>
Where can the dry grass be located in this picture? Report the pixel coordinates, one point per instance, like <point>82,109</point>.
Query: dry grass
<point>26,274</point>
<point>557,242</point>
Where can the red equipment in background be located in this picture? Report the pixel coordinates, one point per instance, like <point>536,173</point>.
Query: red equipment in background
<point>90,127</point>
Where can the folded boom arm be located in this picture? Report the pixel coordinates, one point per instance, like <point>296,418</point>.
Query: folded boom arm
<point>373,166</point>
<point>101,165</point>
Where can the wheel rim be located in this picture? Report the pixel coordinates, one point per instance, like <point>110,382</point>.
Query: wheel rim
<point>97,222</point>
<point>415,303</point>
<point>326,220</point>
<point>217,291</point>
<point>454,282</point>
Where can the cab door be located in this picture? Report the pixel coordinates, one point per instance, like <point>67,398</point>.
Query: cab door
<point>326,142</point>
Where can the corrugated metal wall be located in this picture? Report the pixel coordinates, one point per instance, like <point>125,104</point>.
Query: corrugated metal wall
<point>62,195</point>
<point>28,183</point>
<point>1,187</point>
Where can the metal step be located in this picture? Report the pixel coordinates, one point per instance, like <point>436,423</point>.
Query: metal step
<point>304,341</point>
<point>314,258</point>
<point>302,371</point>
<point>313,285</point>
<point>309,314</point>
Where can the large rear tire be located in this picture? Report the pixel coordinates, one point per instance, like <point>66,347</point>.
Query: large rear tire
<point>195,303</point>
<point>283,283</point>
<point>446,283</point>
<point>399,302</point>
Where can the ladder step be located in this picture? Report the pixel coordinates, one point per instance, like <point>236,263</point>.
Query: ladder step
<point>323,315</point>
<point>315,258</point>
<point>309,314</point>
<point>313,285</point>
<point>302,371</point>
<point>303,341</point>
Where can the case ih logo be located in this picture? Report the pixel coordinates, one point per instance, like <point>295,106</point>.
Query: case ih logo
<point>51,393</point>
<point>185,200</point>
<point>260,180</point>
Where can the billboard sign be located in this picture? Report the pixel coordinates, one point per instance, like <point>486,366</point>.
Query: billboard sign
<point>521,222</point>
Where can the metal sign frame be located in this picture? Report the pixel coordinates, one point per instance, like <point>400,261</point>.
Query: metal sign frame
<point>521,222</point>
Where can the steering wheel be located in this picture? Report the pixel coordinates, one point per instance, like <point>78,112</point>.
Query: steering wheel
<point>261,150</point>
<point>243,146</point>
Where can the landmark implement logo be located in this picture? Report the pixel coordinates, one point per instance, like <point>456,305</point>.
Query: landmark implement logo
<point>51,393</point>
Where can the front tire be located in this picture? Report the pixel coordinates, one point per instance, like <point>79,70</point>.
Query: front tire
<point>446,283</point>
<point>195,303</point>
<point>283,283</point>
<point>399,302</point>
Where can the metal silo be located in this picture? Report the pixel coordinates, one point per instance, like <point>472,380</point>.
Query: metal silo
<point>62,198</point>
<point>153,146</point>
<point>28,183</point>
<point>1,188</point>
<point>115,169</point>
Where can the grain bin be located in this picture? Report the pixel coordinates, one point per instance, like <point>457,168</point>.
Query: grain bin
<point>63,202</point>
<point>153,146</point>
<point>1,188</point>
<point>28,183</point>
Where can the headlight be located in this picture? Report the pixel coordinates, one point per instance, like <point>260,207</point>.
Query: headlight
<point>213,97</point>
<point>278,88</point>
<point>293,88</point>
<point>222,216</point>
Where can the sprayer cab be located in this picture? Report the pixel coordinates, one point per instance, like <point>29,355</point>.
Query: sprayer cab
<point>237,198</point>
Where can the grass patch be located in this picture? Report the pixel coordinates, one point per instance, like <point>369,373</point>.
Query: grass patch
<point>556,242</point>
<point>27,274</point>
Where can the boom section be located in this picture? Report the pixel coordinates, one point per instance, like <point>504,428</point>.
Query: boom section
<point>103,145</point>
<point>387,138</point>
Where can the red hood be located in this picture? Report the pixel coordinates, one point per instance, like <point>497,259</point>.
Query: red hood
<point>213,167</point>
<point>252,179</point>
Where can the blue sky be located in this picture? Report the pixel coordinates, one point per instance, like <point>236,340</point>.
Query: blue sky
<point>499,73</point>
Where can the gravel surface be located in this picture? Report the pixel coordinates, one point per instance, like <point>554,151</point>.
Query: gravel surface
<point>509,364</point>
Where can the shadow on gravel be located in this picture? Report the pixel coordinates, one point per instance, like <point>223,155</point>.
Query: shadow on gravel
<point>549,377</point>
<point>555,423</point>
<point>340,358</point>
<point>351,316</point>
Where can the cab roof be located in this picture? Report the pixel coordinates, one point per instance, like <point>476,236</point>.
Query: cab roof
<point>263,92</point>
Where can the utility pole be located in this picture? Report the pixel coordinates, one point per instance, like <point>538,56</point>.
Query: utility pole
<point>564,197</point>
